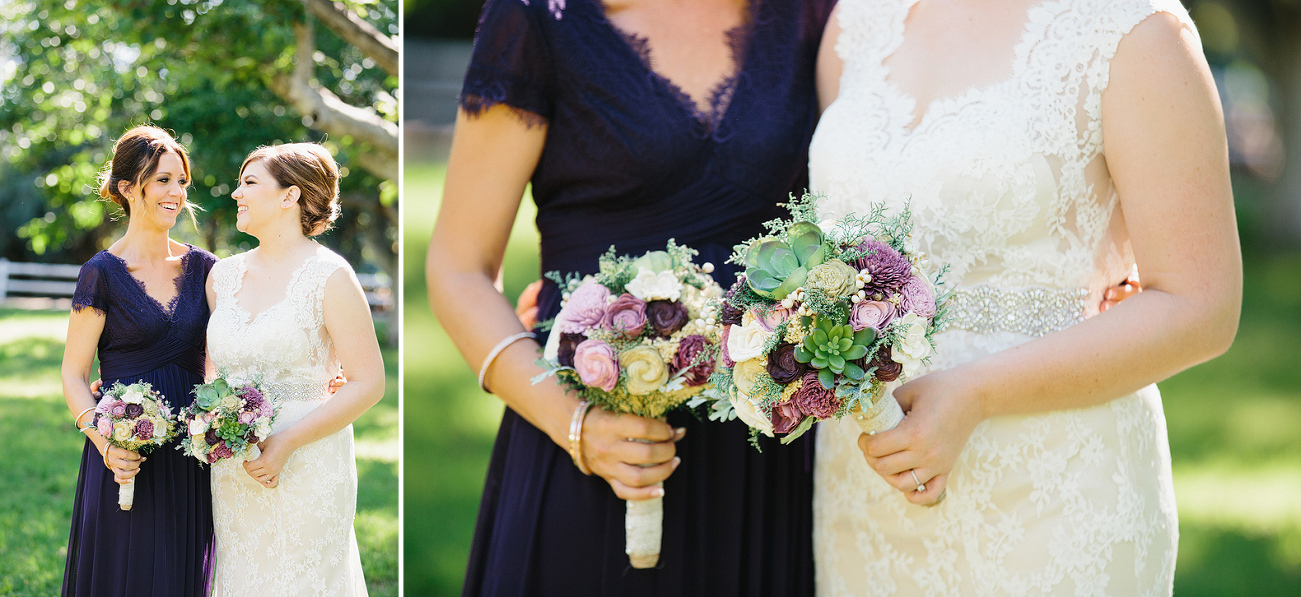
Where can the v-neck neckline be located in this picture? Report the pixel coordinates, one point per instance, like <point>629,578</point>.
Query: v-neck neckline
<point>740,39</point>
<point>950,103</point>
<point>247,318</point>
<point>168,310</point>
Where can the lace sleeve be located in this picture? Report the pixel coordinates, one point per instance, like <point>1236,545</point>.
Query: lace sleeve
<point>92,289</point>
<point>511,63</point>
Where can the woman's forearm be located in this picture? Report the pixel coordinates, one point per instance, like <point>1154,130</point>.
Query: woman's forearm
<point>1146,339</point>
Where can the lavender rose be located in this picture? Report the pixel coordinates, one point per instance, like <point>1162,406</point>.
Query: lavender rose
<point>584,310</point>
<point>871,314</point>
<point>689,349</point>
<point>666,317</point>
<point>786,417</point>
<point>783,368</point>
<point>594,361</point>
<point>144,429</point>
<point>814,399</point>
<point>133,410</point>
<point>247,417</point>
<point>916,297</point>
<point>888,268</point>
<point>626,315</point>
<point>565,352</point>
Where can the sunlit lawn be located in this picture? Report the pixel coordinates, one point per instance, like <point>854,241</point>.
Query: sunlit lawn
<point>40,453</point>
<point>1235,431</point>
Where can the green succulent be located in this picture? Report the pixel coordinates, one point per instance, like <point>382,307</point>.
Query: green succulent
<point>830,348</point>
<point>774,268</point>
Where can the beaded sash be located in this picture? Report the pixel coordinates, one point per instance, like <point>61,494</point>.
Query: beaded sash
<point>295,391</point>
<point>1033,310</point>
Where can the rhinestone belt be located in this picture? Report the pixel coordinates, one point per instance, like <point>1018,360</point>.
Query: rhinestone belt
<point>294,391</point>
<point>1033,310</point>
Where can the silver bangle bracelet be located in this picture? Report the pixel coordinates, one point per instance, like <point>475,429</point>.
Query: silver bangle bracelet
<point>496,350</point>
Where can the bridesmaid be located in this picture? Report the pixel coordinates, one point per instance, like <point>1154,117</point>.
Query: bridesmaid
<point>635,122</point>
<point>140,304</point>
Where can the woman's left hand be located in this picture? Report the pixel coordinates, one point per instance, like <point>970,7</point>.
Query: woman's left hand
<point>265,469</point>
<point>942,411</point>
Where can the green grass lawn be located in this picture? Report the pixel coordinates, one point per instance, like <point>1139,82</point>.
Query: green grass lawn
<point>1235,430</point>
<point>41,453</point>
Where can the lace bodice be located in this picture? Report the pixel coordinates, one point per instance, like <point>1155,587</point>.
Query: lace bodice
<point>285,343</point>
<point>1007,181</point>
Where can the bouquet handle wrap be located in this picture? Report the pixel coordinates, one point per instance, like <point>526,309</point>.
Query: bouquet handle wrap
<point>643,526</point>
<point>883,415</point>
<point>126,494</point>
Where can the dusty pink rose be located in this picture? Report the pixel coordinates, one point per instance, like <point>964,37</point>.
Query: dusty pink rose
<point>871,314</point>
<point>144,429</point>
<point>626,315</point>
<point>118,409</point>
<point>247,417</point>
<point>916,297</point>
<point>815,400</point>
<point>104,427</point>
<point>688,351</point>
<point>596,366</point>
<point>772,319</point>
<point>786,417</point>
<point>584,310</point>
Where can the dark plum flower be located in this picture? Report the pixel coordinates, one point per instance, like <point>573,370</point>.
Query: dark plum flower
<point>783,367</point>
<point>134,410</point>
<point>666,317</point>
<point>689,350</point>
<point>568,342</point>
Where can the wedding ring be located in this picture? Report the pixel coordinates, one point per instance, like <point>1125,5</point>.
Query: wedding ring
<point>921,487</point>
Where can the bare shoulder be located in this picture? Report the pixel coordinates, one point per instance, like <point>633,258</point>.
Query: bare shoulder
<point>1163,43</point>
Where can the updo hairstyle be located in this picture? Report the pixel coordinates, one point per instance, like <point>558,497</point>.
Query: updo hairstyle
<point>135,158</point>
<point>311,168</point>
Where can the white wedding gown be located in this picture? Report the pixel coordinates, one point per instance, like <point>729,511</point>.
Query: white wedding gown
<point>1009,185</point>
<point>296,539</point>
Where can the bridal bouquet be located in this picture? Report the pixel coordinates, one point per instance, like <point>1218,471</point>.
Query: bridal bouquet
<point>639,337</point>
<point>825,322</point>
<point>227,420</point>
<point>133,417</point>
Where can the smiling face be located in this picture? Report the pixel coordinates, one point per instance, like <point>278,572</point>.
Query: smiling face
<point>260,200</point>
<point>159,197</point>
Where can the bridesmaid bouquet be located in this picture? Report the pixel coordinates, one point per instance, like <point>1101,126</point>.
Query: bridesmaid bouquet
<point>133,417</point>
<point>826,322</point>
<point>639,337</point>
<point>227,420</point>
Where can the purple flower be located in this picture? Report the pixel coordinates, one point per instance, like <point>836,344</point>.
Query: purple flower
<point>666,317</point>
<point>730,314</point>
<point>211,457</point>
<point>223,451</point>
<point>916,297</point>
<point>689,349</point>
<point>144,429</point>
<point>888,268</point>
<point>118,409</point>
<point>596,366</point>
<point>568,342</point>
<point>211,437</point>
<point>252,397</point>
<point>265,410</point>
<point>626,315</point>
<point>247,417</point>
<point>584,309</point>
<point>133,410</point>
<point>871,314</point>
<point>815,400</point>
<point>786,417</point>
<point>783,368</point>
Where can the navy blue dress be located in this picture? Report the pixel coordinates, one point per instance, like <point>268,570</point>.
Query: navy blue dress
<point>163,546</point>
<point>630,161</point>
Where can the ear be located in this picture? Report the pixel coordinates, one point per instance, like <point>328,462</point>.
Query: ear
<point>124,188</point>
<point>291,197</point>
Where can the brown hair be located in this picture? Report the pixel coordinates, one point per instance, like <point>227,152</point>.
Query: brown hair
<point>135,158</point>
<point>311,168</point>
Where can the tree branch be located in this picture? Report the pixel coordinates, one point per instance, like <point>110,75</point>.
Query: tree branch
<point>324,111</point>
<point>356,31</point>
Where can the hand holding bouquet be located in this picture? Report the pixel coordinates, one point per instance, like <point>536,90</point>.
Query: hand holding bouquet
<point>825,323</point>
<point>637,338</point>
<point>227,420</point>
<point>133,417</point>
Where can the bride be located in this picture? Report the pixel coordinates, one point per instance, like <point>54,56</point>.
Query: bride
<point>1047,147</point>
<point>292,311</point>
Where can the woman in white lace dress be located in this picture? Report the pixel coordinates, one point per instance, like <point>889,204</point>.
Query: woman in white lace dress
<point>1039,434</point>
<point>292,312</point>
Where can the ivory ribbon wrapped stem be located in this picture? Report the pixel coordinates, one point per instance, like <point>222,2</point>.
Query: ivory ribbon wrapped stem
<point>126,494</point>
<point>643,526</point>
<point>884,413</point>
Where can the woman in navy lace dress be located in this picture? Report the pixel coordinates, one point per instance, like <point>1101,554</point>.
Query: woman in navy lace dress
<point>635,122</point>
<point>141,306</point>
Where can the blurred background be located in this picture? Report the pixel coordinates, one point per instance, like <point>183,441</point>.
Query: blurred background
<point>225,77</point>
<point>1233,422</point>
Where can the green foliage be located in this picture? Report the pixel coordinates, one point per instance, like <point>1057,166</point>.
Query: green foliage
<point>85,72</point>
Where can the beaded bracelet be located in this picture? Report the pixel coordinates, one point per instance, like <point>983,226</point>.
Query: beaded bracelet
<point>576,436</point>
<point>496,350</point>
